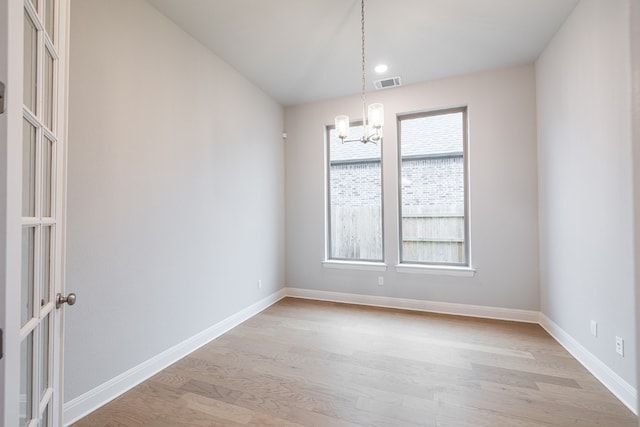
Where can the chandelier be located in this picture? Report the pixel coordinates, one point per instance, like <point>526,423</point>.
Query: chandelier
<point>371,123</point>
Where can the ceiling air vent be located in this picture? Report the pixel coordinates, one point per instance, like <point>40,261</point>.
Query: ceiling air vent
<point>387,83</point>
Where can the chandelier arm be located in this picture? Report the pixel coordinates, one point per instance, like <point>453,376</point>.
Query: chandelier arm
<point>362,139</point>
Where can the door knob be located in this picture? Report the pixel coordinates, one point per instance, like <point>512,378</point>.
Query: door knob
<point>69,299</point>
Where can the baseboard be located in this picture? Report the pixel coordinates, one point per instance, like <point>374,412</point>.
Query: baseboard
<point>104,393</point>
<point>527,316</point>
<point>624,391</point>
<point>101,395</point>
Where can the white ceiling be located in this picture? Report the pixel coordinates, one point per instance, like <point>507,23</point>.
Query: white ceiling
<point>306,50</point>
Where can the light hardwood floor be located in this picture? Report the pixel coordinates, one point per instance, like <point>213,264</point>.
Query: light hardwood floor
<point>309,363</point>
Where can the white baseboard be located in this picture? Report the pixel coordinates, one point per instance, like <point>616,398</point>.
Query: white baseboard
<point>101,395</point>
<point>527,316</point>
<point>104,393</point>
<point>624,391</point>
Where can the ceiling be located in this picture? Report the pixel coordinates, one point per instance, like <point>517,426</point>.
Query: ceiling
<point>300,51</point>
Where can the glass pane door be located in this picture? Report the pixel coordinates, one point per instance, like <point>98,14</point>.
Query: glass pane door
<point>40,193</point>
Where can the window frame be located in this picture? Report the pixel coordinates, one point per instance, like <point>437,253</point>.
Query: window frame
<point>410,266</point>
<point>349,263</point>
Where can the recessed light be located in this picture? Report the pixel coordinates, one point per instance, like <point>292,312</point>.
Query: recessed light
<point>381,68</point>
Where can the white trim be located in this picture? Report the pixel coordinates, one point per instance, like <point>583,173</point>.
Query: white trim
<point>526,316</point>
<point>104,393</point>
<point>62,97</point>
<point>101,395</point>
<point>624,391</point>
<point>11,73</point>
<point>440,270</point>
<point>355,265</point>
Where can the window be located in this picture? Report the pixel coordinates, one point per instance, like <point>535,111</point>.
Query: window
<point>433,188</point>
<point>354,199</point>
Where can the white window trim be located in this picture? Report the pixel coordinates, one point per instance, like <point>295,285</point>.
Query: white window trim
<point>354,265</point>
<point>440,270</point>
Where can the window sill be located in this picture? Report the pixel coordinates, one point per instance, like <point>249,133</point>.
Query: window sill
<point>355,265</point>
<point>436,270</point>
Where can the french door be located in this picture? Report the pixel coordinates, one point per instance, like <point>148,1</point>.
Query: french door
<point>35,137</point>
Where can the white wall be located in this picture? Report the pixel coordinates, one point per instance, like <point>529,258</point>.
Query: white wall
<point>504,230</point>
<point>585,181</point>
<point>175,193</point>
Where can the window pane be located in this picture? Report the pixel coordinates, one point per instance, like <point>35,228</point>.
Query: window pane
<point>47,176</point>
<point>48,89</point>
<point>30,63</point>
<point>28,256</point>
<point>433,188</point>
<point>44,355</point>
<point>28,169</point>
<point>45,282</point>
<point>355,199</point>
<point>26,369</point>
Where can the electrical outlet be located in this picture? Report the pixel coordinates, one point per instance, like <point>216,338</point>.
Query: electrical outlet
<point>380,280</point>
<point>620,346</point>
<point>259,284</point>
<point>594,328</point>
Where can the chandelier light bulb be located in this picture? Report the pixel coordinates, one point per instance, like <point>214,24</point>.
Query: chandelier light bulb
<point>342,126</point>
<point>376,115</point>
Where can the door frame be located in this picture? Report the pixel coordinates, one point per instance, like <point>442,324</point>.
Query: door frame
<point>64,23</point>
<point>11,12</point>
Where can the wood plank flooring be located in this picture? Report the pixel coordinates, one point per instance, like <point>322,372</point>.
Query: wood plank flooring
<point>310,363</point>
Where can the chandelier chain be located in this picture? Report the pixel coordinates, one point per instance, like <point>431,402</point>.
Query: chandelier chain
<point>372,122</point>
<point>363,58</point>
